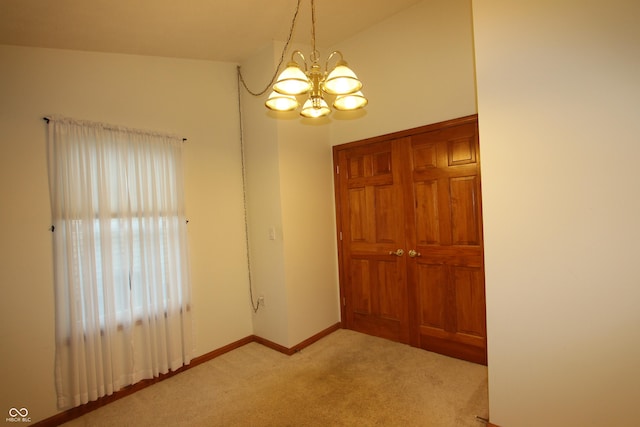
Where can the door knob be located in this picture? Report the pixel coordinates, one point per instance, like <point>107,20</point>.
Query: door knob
<point>413,253</point>
<point>399,252</point>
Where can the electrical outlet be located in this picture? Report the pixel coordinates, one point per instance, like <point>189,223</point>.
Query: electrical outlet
<point>261,300</point>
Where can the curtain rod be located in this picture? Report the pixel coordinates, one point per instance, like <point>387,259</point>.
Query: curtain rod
<point>53,227</point>
<point>48,119</point>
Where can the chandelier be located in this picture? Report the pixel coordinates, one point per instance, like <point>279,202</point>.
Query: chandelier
<point>301,79</point>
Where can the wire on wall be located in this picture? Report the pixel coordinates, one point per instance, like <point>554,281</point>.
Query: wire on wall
<point>254,306</point>
<point>242,84</point>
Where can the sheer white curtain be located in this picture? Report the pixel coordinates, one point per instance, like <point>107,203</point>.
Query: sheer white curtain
<point>122,289</point>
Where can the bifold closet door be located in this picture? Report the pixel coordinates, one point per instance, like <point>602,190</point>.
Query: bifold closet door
<point>409,219</point>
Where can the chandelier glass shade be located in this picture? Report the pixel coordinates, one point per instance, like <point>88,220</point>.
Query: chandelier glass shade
<point>280,102</point>
<point>351,101</point>
<point>315,107</point>
<point>292,81</point>
<point>342,80</point>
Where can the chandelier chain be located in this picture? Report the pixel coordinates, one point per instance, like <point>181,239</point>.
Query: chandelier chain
<point>314,51</point>
<point>284,51</point>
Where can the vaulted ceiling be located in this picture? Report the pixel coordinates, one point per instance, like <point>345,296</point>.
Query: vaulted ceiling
<point>216,30</point>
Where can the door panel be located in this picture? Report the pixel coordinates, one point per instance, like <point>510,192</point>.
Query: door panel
<point>469,298</point>
<point>359,280</point>
<point>383,208</point>
<point>357,208</point>
<point>465,229</point>
<point>432,294</point>
<point>418,191</point>
<point>427,221</point>
<point>462,150</point>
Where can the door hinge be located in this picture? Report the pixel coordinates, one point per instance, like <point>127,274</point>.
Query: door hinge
<point>337,169</point>
<point>341,235</point>
<point>344,302</point>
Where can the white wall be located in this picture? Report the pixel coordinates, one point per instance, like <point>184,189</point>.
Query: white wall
<point>289,177</point>
<point>189,98</point>
<point>417,68</point>
<point>308,214</point>
<point>264,207</point>
<point>558,100</point>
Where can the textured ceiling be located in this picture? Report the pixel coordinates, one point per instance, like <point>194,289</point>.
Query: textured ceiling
<point>198,29</point>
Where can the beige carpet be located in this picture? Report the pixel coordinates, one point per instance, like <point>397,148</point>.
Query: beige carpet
<point>345,379</point>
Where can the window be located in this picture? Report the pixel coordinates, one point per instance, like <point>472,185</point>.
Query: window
<point>120,257</point>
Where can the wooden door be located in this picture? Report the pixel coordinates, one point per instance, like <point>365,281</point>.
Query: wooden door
<point>371,232</point>
<point>444,241</point>
<point>417,191</point>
